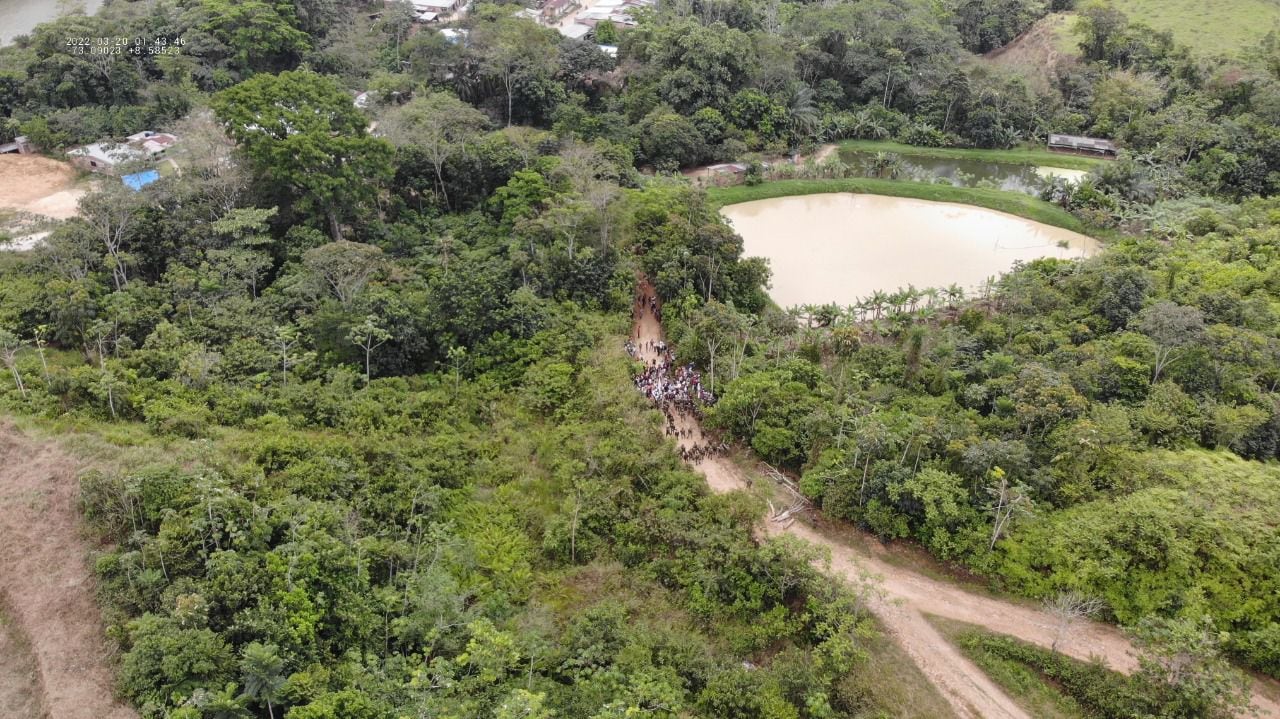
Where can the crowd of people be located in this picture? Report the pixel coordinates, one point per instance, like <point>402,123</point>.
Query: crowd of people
<point>677,389</point>
<point>681,386</point>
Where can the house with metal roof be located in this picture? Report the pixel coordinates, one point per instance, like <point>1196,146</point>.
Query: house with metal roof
<point>21,145</point>
<point>108,156</point>
<point>1077,143</point>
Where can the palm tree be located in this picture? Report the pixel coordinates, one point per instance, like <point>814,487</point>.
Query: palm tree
<point>808,312</point>
<point>867,126</point>
<point>262,672</point>
<point>884,164</point>
<point>802,113</point>
<point>898,300</point>
<point>954,293</point>
<point>899,323</point>
<point>878,301</point>
<point>931,295</point>
<point>912,297</point>
<point>827,314</point>
<point>220,705</point>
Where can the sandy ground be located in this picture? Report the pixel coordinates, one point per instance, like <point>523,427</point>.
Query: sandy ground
<point>36,189</point>
<point>46,584</point>
<point>36,184</point>
<point>906,596</point>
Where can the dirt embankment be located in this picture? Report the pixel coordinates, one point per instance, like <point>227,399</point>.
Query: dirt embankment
<point>905,596</point>
<point>1036,53</point>
<point>35,193</point>
<point>47,586</point>
<point>38,185</point>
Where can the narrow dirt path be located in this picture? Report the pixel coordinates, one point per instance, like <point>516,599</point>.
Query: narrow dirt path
<point>46,584</point>
<point>821,154</point>
<point>907,596</point>
<point>720,474</point>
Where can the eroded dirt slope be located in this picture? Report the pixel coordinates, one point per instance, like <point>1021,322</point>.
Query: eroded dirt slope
<point>46,583</point>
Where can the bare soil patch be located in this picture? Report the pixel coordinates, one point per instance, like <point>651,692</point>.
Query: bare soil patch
<point>46,584</point>
<point>31,183</point>
<point>1036,53</point>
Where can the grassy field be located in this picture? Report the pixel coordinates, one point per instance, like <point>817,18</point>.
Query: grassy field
<point>1023,684</point>
<point>1014,203</point>
<point>1019,155</point>
<point>1220,27</point>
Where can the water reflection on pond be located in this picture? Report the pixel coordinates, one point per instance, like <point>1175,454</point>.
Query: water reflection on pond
<point>1008,176</point>
<point>840,247</point>
<point>19,17</point>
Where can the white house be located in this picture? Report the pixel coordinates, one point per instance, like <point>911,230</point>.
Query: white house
<point>576,31</point>
<point>454,36</point>
<point>437,6</point>
<point>107,156</point>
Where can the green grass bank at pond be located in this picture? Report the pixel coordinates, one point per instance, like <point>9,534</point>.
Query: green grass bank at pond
<point>1017,156</point>
<point>1013,203</point>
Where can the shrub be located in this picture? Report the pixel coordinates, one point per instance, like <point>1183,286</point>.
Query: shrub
<point>177,417</point>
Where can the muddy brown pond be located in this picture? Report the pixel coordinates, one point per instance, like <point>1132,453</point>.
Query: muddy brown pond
<point>840,247</point>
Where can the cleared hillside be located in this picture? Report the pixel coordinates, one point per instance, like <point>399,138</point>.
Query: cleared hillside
<point>1220,27</point>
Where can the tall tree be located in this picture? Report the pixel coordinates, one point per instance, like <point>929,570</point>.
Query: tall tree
<point>438,125</point>
<point>262,674</point>
<point>10,346</point>
<point>1173,328</point>
<point>343,268</point>
<point>512,48</point>
<point>111,214</point>
<point>301,129</point>
<point>1007,501</point>
<point>369,335</point>
<point>252,35</point>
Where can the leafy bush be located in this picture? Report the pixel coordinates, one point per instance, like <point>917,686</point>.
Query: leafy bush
<point>177,417</point>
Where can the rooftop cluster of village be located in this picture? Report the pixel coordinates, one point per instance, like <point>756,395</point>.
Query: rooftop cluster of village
<point>573,18</point>
<point>139,160</point>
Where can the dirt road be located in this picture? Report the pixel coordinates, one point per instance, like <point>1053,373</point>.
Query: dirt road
<point>907,596</point>
<point>46,585</point>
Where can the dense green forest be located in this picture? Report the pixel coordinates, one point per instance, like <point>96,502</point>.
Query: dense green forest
<point>393,463</point>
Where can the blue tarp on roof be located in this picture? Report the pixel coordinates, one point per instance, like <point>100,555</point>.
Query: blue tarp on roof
<point>139,180</point>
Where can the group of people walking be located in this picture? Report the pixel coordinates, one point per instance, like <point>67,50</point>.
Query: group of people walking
<point>677,389</point>
<point>650,302</point>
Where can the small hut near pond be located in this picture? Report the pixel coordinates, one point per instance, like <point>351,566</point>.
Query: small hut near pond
<point>1084,145</point>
